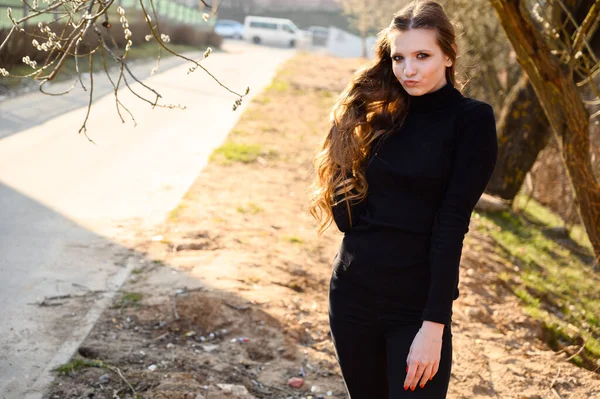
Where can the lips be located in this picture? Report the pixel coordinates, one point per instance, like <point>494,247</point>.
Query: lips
<point>411,82</point>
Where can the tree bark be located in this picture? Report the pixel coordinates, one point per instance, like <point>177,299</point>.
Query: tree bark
<point>523,131</point>
<point>556,91</point>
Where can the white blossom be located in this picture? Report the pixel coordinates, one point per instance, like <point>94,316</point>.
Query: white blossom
<point>28,61</point>
<point>148,38</point>
<point>536,11</point>
<point>205,16</point>
<point>3,72</point>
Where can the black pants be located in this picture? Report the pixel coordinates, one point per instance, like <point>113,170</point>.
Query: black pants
<point>372,335</point>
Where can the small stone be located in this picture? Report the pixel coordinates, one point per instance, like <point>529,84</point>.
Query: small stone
<point>211,335</point>
<point>152,367</point>
<point>329,393</point>
<point>239,390</point>
<point>170,345</point>
<point>210,348</point>
<point>104,378</point>
<point>296,382</point>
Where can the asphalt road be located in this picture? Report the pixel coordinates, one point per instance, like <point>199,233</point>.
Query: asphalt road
<point>66,204</point>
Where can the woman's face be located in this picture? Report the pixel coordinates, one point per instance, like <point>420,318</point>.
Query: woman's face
<point>418,61</point>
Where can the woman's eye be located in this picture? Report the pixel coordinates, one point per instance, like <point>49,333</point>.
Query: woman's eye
<point>400,58</point>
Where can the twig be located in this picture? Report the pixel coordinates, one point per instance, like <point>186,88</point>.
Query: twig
<point>587,27</point>
<point>87,115</point>
<point>582,345</point>
<point>115,86</point>
<point>161,336</point>
<point>240,308</point>
<point>555,378</point>
<point>45,301</point>
<point>160,42</point>
<point>118,371</point>
<point>574,22</point>
<point>175,307</point>
<point>289,393</point>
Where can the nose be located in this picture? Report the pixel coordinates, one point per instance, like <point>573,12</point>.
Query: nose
<point>409,70</point>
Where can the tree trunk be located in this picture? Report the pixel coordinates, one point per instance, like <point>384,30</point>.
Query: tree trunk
<point>363,38</point>
<point>556,91</point>
<point>523,131</point>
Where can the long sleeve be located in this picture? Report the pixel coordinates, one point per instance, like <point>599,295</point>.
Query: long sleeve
<point>347,212</point>
<point>475,159</point>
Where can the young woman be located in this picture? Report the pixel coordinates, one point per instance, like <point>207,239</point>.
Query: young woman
<point>405,161</point>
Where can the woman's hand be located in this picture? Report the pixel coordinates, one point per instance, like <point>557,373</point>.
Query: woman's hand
<point>423,359</point>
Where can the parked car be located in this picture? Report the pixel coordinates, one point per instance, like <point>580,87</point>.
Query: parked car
<point>266,30</point>
<point>229,28</point>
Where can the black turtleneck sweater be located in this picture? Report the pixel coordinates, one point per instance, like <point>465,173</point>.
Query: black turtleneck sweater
<point>406,237</point>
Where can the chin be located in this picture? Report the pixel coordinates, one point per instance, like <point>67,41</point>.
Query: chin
<point>414,91</point>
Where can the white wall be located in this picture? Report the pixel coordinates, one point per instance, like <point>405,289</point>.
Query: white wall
<point>346,45</point>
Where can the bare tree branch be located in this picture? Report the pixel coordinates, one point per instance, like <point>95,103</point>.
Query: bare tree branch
<point>587,28</point>
<point>68,42</point>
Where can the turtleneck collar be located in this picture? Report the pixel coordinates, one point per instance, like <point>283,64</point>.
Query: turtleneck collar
<point>442,97</point>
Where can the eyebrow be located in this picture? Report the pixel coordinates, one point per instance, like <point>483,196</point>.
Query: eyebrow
<point>418,51</point>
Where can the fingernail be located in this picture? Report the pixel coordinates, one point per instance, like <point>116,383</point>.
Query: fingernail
<point>412,388</point>
<point>423,386</point>
<point>405,388</point>
<point>407,369</point>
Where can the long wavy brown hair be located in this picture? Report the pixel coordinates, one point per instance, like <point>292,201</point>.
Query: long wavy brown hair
<point>373,104</point>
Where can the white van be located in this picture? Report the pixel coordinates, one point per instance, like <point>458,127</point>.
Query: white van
<point>265,30</point>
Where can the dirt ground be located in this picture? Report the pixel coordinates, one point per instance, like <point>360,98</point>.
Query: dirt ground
<point>230,296</point>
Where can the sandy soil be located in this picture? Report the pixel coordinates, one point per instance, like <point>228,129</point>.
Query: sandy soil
<point>233,288</point>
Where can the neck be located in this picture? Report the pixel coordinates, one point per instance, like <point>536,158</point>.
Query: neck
<point>440,98</point>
